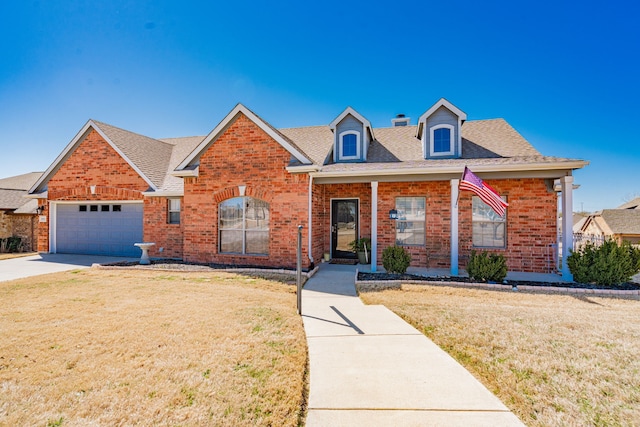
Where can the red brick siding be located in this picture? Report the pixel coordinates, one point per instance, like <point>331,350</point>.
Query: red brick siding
<point>245,155</point>
<point>93,163</point>
<point>531,220</point>
<point>360,191</point>
<point>158,230</point>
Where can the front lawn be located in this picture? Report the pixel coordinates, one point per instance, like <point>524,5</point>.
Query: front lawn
<point>554,360</point>
<point>106,347</point>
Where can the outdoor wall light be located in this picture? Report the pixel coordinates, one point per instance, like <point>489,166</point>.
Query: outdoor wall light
<point>393,214</point>
<point>41,209</point>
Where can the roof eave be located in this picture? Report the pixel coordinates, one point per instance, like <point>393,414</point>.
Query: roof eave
<point>193,171</point>
<point>302,169</point>
<point>447,170</point>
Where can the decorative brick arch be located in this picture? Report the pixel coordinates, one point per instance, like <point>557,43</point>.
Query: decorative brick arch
<point>250,191</point>
<point>99,192</point>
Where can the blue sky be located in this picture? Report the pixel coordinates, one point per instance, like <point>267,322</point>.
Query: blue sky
<point>565,75</point>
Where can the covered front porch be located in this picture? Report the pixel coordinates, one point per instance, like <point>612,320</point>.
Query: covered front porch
<point>447,229</point>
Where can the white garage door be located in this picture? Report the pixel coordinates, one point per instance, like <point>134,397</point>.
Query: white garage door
<point>99,229</point>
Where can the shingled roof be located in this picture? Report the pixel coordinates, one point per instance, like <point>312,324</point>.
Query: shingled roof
<point>622,221</point>
<point>12,192</point>
<point>490,144</point>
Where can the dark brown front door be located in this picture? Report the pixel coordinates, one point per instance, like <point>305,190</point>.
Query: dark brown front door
<point>344,227</point>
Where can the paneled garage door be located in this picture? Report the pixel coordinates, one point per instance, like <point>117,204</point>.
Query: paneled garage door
<point>99,229</point>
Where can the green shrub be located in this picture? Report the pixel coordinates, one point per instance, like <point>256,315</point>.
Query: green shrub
<point>486,267</point>
<point>10,244</point>
<point>607,264</point>
<point>359,245</point>
<point>396,259</point>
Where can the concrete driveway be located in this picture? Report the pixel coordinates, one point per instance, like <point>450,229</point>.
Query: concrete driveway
<point>17,268</point>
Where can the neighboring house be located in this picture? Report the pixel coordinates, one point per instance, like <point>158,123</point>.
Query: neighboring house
<point>18,215</point>
<point>237,195</point>
<point>621,224</point>
<point>632,204</point>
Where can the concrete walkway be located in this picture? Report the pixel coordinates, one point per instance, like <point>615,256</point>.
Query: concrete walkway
<point>368,367</point>
<point>17,268</point>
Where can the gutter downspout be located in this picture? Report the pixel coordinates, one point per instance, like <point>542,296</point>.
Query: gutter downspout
<point>310,227</point>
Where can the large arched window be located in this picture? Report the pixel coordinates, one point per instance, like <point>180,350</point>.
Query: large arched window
<point>244,226</point>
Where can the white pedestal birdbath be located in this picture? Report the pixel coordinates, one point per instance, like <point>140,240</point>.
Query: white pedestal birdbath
<point>144,259</point>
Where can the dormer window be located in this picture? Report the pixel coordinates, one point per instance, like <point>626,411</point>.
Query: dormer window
<point>440,130</point>
<point>441,140</point>
<point>349,145</point>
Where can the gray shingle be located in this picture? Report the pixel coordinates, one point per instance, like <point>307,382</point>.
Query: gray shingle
<point>181,148</point>
<point>20,182</point>
<point>622,221</point>
<point>150,155</point>
<point>14,188</point>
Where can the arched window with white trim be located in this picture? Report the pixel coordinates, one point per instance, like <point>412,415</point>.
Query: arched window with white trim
<point>349,145</point>
<point>441,140</point>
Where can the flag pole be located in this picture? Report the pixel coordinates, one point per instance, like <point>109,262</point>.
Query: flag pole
<point>458,197</point>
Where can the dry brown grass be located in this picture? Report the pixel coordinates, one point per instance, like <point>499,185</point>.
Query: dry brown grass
<point>555,360</point>
<point>16,255</point>
<point>97,347</point>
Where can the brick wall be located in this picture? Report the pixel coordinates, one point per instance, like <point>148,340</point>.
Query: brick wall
<point>93,163</point>
<point>245,155</point>
<point>531,220</point>
<point>360,191</point>
<point>167,237</point>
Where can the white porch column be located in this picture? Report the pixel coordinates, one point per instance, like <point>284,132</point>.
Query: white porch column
<point>454,226</point>
<point>567,223</point>
<point>374,225</point>
<point>310,221</point>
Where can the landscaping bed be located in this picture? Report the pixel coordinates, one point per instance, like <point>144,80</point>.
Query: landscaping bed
<point>507,284</point>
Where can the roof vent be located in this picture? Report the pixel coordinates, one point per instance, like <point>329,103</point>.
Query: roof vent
<point>400,120</point>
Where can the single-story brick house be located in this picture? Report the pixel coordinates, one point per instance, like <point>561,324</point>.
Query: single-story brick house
<point>237,195</point>
<point>18,215</point>
<point>621,224</point>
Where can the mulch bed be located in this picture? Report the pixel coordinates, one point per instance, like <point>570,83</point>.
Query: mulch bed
<point>192,266</point>
<point>629,286</point>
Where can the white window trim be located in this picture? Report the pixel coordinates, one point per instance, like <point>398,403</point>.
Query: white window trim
<point>243,230</point>
<point>170,211</point>
<point>340,139</point>
<point>502,220</point>
<point>423,221</point>
<point>451,141</point>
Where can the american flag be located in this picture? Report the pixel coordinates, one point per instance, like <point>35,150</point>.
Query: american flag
<point>471,182</point>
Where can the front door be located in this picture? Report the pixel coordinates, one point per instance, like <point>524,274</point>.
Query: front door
<point>344,227</point>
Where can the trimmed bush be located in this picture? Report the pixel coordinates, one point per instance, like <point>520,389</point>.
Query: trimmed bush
<point>485,267</point>
<point>396,259</point>
<point>607,264</point>
<point>10,244</point>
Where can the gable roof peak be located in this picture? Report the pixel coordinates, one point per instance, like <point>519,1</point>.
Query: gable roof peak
<point>349,111</point>
<point>442,102</point>
<point>191,161</point>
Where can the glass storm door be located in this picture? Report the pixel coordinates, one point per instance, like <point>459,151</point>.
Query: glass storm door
<point>344,227</point>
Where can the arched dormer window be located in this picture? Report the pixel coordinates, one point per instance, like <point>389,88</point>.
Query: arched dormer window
<point>349,145</point>
<point>244,226</point>
<point>442,140</point>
